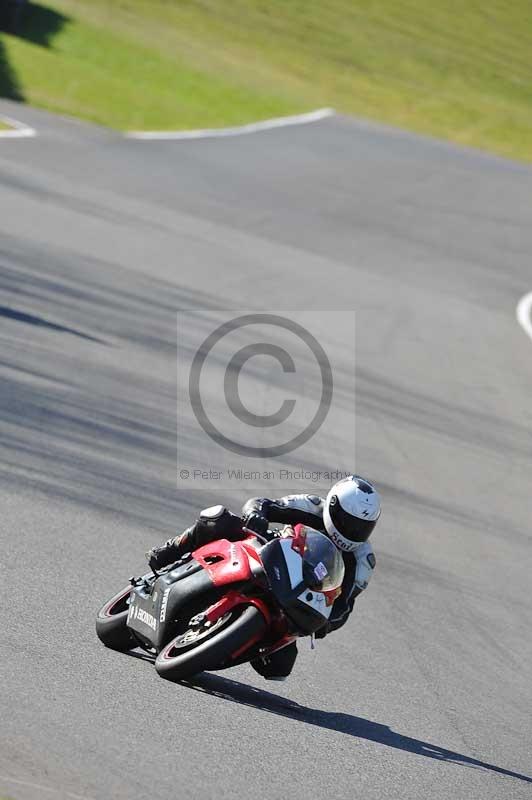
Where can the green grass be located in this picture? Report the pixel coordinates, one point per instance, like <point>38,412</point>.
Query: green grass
<point>458,70</point>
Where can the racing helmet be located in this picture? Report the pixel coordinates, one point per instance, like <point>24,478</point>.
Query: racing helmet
<point>351,511</point>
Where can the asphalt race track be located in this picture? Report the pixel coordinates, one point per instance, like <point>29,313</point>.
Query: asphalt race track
<point>427,692</point>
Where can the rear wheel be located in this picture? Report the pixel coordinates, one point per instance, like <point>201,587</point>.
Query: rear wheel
<point>111,622</point>
<point>205,646</point>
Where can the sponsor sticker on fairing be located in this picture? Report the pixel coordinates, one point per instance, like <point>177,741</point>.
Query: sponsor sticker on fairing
<point>143,616</point>
<point>320,571</point>
<point>162,616</point>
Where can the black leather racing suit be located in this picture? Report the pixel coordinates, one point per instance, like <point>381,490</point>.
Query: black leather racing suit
<point>257,513</point>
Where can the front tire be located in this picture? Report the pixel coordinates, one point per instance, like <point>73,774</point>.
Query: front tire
<point>208,649</point>
<point>111,620</point>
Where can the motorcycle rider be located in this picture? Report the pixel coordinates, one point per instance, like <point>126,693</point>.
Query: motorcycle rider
<point>347,516</point>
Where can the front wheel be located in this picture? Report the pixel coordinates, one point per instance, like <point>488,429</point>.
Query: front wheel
<point>111,620</point>
<point>207,647</point>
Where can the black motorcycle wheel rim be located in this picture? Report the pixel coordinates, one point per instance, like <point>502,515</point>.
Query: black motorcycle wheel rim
<point>194,636</point>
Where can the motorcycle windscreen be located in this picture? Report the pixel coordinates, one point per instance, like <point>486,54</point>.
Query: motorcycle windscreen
<point>323,565</point>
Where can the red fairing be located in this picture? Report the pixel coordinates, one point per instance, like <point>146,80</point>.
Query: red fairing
<point>233,566</point>
<point>233,599</point>
<point>299,540</point>
<point>251,550</point>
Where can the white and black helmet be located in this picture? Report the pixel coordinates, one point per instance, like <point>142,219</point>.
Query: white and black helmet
<point>351,511</point>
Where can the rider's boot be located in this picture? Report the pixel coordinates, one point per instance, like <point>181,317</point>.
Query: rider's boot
<point>277,666</point>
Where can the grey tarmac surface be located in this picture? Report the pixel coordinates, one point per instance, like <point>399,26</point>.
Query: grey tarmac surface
<point>427,692</point>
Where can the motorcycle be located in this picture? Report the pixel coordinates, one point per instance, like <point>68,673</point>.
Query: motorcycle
<point>227,603</point>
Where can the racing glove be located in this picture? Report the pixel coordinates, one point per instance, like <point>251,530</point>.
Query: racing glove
<point>159,557</point>
<point>255,522</point>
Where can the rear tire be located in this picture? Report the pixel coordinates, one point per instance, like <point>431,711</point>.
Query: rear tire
<point>111,620</point>
<point>180,659</point>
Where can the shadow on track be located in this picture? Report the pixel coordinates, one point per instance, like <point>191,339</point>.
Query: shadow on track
<point>32,319</point>
<point>82,418</point>
<point>360,728</point>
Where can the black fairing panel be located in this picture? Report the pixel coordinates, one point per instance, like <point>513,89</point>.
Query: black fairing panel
<point>304,618</point>
<point>276,571</point>
<point>155,613</point>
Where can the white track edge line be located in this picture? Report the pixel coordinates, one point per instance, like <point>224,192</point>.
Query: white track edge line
<point>21,130</point>
<point>42,788</point>
<point>523,313</point>
<point>252,127</point>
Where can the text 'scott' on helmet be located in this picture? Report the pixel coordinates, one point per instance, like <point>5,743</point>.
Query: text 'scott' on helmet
<point>351,511</point>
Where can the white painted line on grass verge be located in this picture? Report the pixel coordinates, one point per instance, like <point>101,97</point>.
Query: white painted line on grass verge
<point>524,313</point>
<point>19,129</point>
<point>253,127</point>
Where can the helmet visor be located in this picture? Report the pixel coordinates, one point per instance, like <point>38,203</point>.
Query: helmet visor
<point>350,527</point>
